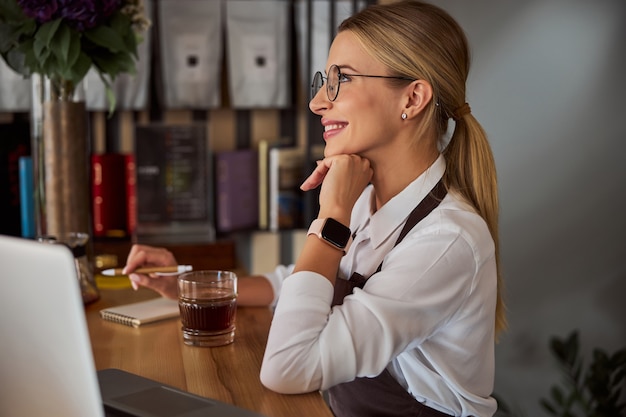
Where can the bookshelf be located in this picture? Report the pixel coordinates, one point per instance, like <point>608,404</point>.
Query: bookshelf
<point>228,128</point>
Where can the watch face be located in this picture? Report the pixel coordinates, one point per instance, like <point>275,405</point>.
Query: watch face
<point>336,233</point>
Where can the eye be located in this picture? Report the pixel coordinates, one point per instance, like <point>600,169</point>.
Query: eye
<point>343,78</point>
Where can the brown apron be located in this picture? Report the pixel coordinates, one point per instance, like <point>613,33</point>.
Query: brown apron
<point>381,396</point>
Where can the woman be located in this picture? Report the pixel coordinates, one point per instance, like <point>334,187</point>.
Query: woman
<point>406,232</point>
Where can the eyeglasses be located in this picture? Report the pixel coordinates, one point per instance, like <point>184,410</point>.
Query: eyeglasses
<point>336,77</point>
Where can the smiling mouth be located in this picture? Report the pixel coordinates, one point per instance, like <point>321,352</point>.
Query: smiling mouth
<point>334,127</point>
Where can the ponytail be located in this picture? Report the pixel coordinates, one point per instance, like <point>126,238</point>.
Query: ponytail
<point>471,171</point>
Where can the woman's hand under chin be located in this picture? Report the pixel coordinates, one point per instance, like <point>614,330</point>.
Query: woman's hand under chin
<point>343,178</point>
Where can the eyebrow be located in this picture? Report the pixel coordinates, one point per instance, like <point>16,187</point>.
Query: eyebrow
<point>342,67</point>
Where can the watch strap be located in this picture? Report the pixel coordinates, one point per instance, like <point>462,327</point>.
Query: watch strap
<point>319,228</point>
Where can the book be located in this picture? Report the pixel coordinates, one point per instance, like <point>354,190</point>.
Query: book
<point>263,185</point>
<point>286,165</point>
<point>237,190</point>
<point>142,312</point>
<point>27,197</point>
<point>108,182</point>
<point>14,143</point>
<point>131,193</point>
<point>174,183</point>
<point>312,197</point>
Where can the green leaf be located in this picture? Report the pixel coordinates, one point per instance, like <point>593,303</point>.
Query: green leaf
<point>577,371</point>
<point>15,60</point>
<point>619,358</point>
<point>106,37</point>
<point>81,67</point>
<point>28,28</point>
<point>73,49</point>
<point>10,11</point>
<point>50,67</point>
<point>115,64</point>
<point>548,407</point>
<point>8,37</point>
<point>40,49</point>
<point>11,34</point>
<point>572,347</point>
<point>120,23</point>
<point>111,99</point>
<point>557,395</point>
<point>60,43</point>
<point>559,350</point>
<point>47,31</point>
<point>131,40</point>
<point>30,61</point>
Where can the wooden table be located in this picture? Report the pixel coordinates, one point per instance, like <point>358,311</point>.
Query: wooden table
<point>229,373</point>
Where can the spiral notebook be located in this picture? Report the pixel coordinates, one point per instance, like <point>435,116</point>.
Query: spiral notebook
<point>142,312</point>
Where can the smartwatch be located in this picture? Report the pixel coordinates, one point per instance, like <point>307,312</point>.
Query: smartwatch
<point>332,232</point>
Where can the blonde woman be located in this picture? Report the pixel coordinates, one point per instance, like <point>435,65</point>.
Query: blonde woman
<point>395,301</point>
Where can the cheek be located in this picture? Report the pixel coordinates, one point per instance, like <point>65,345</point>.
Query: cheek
<point>367,116</point>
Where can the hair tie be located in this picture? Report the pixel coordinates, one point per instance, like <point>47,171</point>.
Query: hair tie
<point>461,111</point>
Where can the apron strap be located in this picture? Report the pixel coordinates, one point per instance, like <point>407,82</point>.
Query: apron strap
<point>344,287</point>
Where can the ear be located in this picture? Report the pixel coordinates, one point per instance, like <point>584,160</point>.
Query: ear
<point>419,94</point>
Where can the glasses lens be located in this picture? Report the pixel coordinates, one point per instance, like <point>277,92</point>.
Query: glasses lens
<point>332,86</point>
<point>318,82</point>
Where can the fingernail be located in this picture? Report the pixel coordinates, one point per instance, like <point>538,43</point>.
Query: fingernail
<point>133,281</point>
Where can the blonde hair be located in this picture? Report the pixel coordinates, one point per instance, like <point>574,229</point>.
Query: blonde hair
<point>421,41</point>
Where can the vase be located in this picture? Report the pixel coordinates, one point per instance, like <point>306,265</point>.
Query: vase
<point>61,149</point>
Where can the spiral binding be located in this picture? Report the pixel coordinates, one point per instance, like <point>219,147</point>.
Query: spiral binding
<point>119,318</point>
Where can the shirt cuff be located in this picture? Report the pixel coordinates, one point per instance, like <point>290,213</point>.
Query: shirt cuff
<point>308,289</point>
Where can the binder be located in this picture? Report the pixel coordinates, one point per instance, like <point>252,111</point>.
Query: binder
<point>27,200</point>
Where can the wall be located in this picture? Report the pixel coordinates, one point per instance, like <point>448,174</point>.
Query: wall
<point>548,84</point>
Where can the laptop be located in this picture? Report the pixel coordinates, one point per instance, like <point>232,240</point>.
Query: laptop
<point>46,361</point>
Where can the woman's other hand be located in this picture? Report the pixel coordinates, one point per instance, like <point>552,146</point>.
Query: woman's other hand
<point>145,256</point>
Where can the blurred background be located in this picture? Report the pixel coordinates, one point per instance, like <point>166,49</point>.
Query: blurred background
<point>547,83</point>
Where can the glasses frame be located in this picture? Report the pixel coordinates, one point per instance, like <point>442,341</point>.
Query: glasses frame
<point>324,80</point>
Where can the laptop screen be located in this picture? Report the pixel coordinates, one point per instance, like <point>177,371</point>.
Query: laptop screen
<point>46,366</point>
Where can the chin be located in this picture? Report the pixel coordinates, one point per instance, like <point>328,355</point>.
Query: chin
<point>330,151</point>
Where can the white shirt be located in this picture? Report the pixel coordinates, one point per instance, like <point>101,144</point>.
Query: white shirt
<point>428,316</point>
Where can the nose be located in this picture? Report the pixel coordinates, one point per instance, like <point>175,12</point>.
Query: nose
<point>319,103</point>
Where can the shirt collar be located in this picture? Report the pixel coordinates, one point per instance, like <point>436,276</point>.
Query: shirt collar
<point>387,221</point>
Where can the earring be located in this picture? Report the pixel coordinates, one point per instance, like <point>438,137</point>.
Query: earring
<point>403,116</point>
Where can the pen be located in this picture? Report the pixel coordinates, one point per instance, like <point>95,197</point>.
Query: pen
<point>150,270</point>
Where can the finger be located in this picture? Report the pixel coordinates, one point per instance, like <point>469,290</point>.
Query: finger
<point>135,281</point>
<point>136,258</point>
<point>164,285</point>
<point>316,177</point>
<point>133,278</point>
<point>154,283</point>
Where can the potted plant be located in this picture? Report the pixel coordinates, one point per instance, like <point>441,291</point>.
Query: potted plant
<point>593,391</point>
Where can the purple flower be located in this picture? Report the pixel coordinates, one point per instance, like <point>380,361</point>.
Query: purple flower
<point>110,6</point>
<point>41,10</point>
<point>79,14</point>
